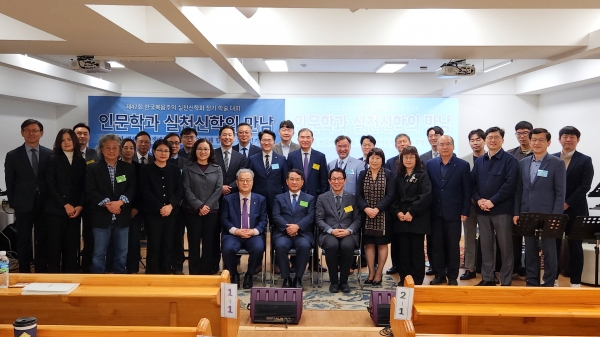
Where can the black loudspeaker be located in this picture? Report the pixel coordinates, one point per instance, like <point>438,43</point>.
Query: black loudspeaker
<point>8,239</point>
<point>276,305</point>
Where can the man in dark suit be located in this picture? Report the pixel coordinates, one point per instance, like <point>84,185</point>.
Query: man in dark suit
<point>26,188</point>
<point>244,133</point>
<point>82,131</point>
<point>367,143</point>
<point>243,220</point>
<point>175,142</point>
<point>541,189</point>
<point>451,204</point>
<point>188,138</point>
<point>433,134</point>
<point>293,217</point>
<point>286,132</point>
<point>311,162</point>
<point>580,173</point>
<point>142,144</point>
<point>402,141</point>
<point>110,187</point>
<point>338,219</point>
<point>230,160</point>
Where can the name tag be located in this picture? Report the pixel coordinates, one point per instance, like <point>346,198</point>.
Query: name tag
<point>303,203</point>
<point>91,161</point>
<point>121,179</point>
<point>349,171</point>
<point>275,167</point>
<point>542,173</point>
<point>348,209</point>
<point>316,166</point>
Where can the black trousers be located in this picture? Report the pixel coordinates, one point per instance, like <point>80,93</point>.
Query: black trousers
<point>178,247</point>
<point>160,232</point>
<point>395,251</point>
<point>24,224</point>
<point>133,244</point>
<point>201,229</point>
<point>517,254</point>
<point>411,256</point>
<point>88,239</point>
<point>575,259</point>
<point>338,253</point>
<point>63,243</point>
<point>445,248</point>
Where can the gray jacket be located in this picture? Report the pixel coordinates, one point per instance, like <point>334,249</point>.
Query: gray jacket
<point>201,188</point>
<point>327,217</point>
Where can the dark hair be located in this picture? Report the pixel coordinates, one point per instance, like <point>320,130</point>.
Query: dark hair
<point>569,130</point>
<point>402,135</point>
<point>224,127</point>
<point>244,124</point>
<point>400,168</point>
<point>369,137</point>
<point>337,169</point>
<point>125,140</point>
<point>436,129</point>
<point>537,131</point>
<point>172,134</point>
<point>494,129</point>
<point>82,125</point>
<point>297,171</point>
<point>378,152</point>
<point>524,125</point>
<point>28,122</point>
<point>57,149</point>
<point>306,129</point>
<point>342,137</point>
<point>286,124</point>
<point>266,132</point>
<point>211,157</point>
<point>187,131</point>
<point>142,133</point>
<point>160,142</point>
<point>479,133</point>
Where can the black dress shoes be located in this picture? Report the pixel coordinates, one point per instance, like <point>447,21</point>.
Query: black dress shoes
<point>297,282</point>
<point>287,283</point>
<point>452,282</point>
<point>345,288</point>
<point>247,281</point>
<point>429,272</point>
<point>468,275</point>
<point>334,288</point>
<point>438,280</point>
<point>393,270</point>
<point>235,279</point>
<point>486,283</point>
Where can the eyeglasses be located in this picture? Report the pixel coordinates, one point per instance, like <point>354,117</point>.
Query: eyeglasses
<point>522,134</point>
<point>493,137</point>
<point>162,151</point>
<point>337,179</point>
<point>189,137</point>
<point>409,157</point>
<point>203,150</point>
<point>32,131</point>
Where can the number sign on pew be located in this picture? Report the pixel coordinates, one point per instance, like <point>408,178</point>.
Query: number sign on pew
<point>404,303</point>
<point>229,300</point>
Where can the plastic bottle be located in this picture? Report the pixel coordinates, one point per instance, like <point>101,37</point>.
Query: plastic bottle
<point>4,267</point>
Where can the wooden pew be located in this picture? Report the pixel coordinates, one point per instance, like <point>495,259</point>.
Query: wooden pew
<point>203,328</point>
<point>122,300</point>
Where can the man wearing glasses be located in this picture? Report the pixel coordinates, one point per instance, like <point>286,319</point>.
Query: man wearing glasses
<point>433,134</point>
<point>188,138</point>
<point>244,133</point>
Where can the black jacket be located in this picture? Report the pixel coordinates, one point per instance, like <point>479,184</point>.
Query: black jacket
<point>21,182</point>
<point>66,183</point>
<point>413,195</point>
<point>157,192</point>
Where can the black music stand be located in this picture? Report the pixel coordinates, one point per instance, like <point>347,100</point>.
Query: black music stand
<point>594,194</point>
<point>586,228</point>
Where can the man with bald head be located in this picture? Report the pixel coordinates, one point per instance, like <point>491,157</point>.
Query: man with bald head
<point>451,193</point>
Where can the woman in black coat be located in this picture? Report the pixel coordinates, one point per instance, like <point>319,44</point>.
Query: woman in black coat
<point>374,195</point>
<point>411,215</point>
<point>161,188</point>
<point>66,197</point>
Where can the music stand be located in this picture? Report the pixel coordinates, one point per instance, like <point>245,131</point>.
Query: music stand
<point>528,223</point>
<point>586,228</point>
<point>595,193</point>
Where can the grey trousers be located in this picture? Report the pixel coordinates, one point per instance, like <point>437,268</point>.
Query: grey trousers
<point>470,230</point>
<point>502,225</point>
<point>532,260</point>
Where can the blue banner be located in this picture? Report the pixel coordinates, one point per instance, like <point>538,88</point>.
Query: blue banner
<point>126,116</point>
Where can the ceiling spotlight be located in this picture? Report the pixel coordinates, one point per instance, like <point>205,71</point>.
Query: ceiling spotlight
<point>277,65</point>
<point>496,66</point>
<point>390,67</point>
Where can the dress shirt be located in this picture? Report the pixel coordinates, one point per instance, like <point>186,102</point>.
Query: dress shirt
<point>444,167</point>
<point>292,197</point>
<point>567,157</point>
<point>303,152</point>
<point>535,166</point>
<point>241,150</point>
<point>37,152</point>
<point>248,203</point>
<point>139,157</point>
<point>285,149</point>
<point>335,198</point>
<point>270,154</point>
<point>434,154</point>
<point>344,163</point>
<point>83,152</point>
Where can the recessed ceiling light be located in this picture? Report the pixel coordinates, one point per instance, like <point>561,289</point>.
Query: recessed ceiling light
<point>115,64</point>
<point>496,66</point>
<point>390,67</point>
<point>277,65</point>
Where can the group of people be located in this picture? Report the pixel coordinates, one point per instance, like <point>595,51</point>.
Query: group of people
<point>228,197</point>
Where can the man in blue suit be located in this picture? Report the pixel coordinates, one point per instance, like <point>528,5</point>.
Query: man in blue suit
<point>293,217</point>
<point>580,173</point>
<point>311,162</point>
<point>451,191</point>
<point>541,189</point>
<point>243,220</point>
<point>350,165</point>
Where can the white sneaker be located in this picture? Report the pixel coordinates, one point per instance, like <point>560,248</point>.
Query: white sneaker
<point>576,285</point>
<point>556,283</point>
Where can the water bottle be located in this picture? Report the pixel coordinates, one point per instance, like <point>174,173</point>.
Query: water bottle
<point>3,270</point>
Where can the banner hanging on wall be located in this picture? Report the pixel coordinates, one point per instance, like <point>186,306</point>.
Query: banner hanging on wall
<point>126,116</point>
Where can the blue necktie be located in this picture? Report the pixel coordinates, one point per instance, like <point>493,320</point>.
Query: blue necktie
<point>294,202</point>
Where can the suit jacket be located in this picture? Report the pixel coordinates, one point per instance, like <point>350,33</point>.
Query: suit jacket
<point>327,216</point>
<point>66,183</point>
<point>91,156</point>
<point>390,164</point>
<point>21,181</point>
<point>425,157</point>
<point>353,168</point>
<point>383,204</point>
<point>317,181</point>
<point>268,185</point>
<point>231,213</point>
<point>303,216</point>
<point>160,187</point>
<point>469,159</point>
<point>579,181</point>
<point>413,197</point>
<point>236,162</point>
<point>253,150</point>
<point>179,161</point>
<point>279,149</point>
<point>184,154</point>
<point>201,188</point>
<point>150,158</point>
<point>451,195</point>
<point>545,194</point>
<point>99,187</point>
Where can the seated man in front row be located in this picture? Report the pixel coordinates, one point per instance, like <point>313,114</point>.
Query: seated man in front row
<point>293,216</point>
<point>243,219</point>
<point>338,219</point>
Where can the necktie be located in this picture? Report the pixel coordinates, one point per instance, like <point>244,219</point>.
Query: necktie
<point>294,202</point>
<point>34,161</point>
<point>267,164</point>
<point>226,161</point>
<point>305,166</point>
<point>83,154</point>
<point>245,214</point>
<point>341,164</point>
<point>244,152</point>
<point>338,204</point>
<point>143,160</point>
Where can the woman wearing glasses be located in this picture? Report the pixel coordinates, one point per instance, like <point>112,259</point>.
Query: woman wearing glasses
<point>162,190</point>
<point>202,183</point>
